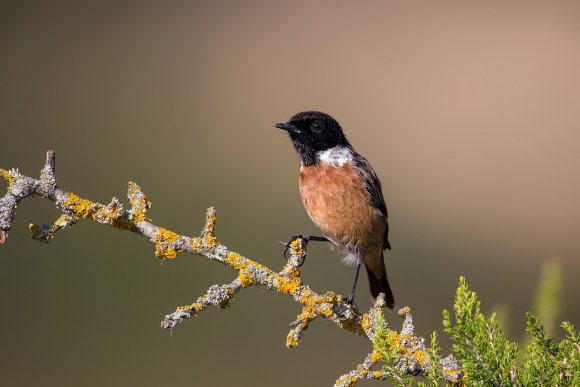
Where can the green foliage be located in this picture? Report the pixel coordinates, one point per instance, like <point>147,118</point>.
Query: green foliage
<point>383,342</point>
<point>548,363</point>
<point>487,357</point>
<point>433,372</point>
<point>387,346</point>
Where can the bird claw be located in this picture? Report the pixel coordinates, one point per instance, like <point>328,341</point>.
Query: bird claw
<point>287,246</point>
<point>349,299</point>
<point>305,239</point>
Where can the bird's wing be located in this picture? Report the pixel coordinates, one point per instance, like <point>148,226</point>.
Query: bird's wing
<point>374,190</point>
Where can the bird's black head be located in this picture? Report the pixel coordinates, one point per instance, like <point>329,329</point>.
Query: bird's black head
<point>312,132</point>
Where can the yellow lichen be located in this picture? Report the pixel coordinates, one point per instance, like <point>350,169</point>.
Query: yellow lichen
<point>245,267</point>
<point>394,339</point>
<point>164,244</point>
<point>325,312</point>
<point>195,244</point>
<point>328,297</point>
<point>8,177</point>
<point>366,322</point>
<point>233,260</point>
<point>236,261</point>
<point>378,374</point>
<point>81,208</point>
<point>245,279</point>
<point>322,306</point>
<point>209,238</point>
<point>308,313</point>
<point>111,216</point>
<point>453,375</point>
<point>194,308</point>
<point>284,285</point>
<point>62,220</point>
<point>450,371</point>
<point>297,248</point>
<point>86,209</point>
<point>138,201</point>
<point>346,381</point>
<point>291,272</point>
<point>420,357</point>
<point>375,357</point>
<point>291,340</point>
<point>404,312</point>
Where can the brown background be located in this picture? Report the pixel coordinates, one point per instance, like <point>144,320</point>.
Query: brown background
<point>469,112</point>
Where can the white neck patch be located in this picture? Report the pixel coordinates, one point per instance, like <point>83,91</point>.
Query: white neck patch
<point>336,156</point>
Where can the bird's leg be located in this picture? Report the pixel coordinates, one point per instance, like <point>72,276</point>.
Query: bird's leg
<point>350,298</point>
<point>305,240</point>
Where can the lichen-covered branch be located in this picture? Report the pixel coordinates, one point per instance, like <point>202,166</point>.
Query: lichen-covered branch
<point>413,359</point>
<point>401,353</point>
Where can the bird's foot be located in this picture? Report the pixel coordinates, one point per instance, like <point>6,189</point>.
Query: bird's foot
<point>305,239</point>
<point>350,298</point>
<point>287,246</point>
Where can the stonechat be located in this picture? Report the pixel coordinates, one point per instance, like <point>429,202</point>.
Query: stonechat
<point>343,196</point>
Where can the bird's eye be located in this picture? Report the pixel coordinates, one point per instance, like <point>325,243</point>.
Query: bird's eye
<point>317,127</point>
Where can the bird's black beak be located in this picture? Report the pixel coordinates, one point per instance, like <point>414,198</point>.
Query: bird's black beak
<point>285,126</point>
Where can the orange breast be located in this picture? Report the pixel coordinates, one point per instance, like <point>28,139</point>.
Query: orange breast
<point>336,199</point>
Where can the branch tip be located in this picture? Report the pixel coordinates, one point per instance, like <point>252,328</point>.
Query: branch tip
<point>47,174</point>
<point>208,233</point>
<point>45,232</point>
<point>51,158</point>
<point>139,203</point>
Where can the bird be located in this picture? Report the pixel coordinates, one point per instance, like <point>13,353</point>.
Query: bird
<point>343,196</point>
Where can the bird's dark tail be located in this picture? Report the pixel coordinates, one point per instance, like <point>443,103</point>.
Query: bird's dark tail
<point>381,284</point>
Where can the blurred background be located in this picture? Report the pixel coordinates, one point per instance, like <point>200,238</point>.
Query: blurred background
<point>469,112</point>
